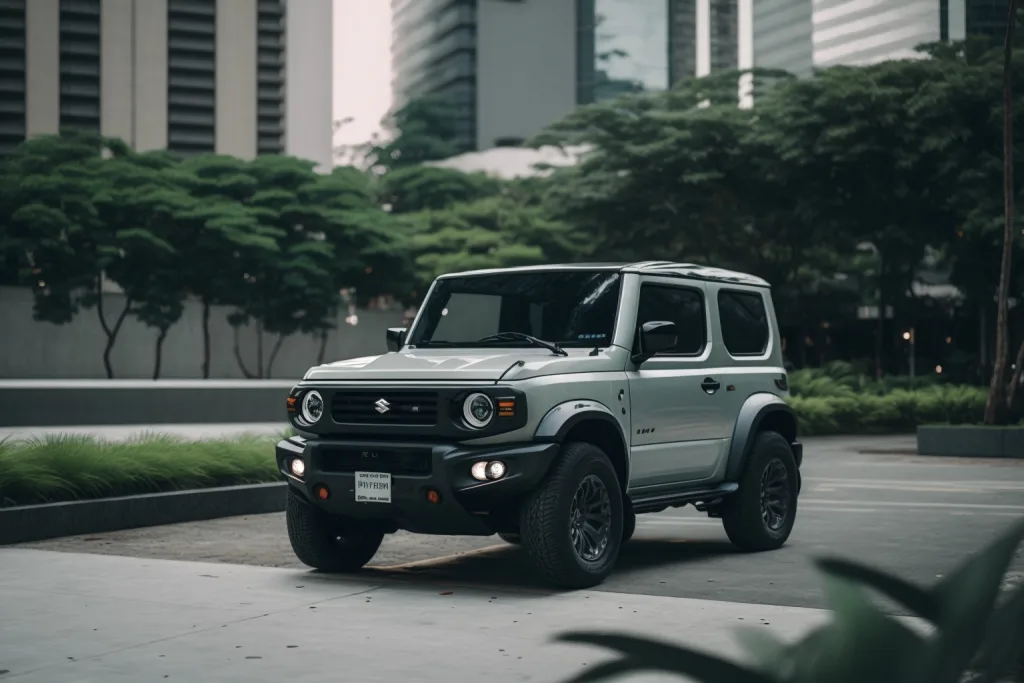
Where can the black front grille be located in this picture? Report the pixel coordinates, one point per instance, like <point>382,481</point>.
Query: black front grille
<point>385,408</point>
<point>408,462</point>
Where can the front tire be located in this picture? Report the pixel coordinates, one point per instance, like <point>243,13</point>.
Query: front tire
<point>327,543</point>
<point>761,514</point>
<point>571,525</point>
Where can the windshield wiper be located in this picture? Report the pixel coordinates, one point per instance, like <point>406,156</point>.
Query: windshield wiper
<point>519,336</point>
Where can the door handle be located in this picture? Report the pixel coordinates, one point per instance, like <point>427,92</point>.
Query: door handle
<point>710,386</point>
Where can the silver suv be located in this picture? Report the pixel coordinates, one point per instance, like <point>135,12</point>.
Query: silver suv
<point>551,405</point>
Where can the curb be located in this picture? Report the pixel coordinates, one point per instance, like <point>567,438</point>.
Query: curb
<point>971,441</point>
<point>26,523</point>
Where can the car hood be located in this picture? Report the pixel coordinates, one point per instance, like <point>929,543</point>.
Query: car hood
<point>448,365</point>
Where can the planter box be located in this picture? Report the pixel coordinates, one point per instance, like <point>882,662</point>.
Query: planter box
<point>52,520</point>
<point>971,441</point>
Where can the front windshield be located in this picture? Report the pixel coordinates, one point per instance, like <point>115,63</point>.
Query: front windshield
<point>570,308</point>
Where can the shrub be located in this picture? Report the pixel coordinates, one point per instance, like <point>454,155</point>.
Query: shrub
<point>902,410</point>
<point>839,378</point>
<point>977,629</point>
<point>61,468</point>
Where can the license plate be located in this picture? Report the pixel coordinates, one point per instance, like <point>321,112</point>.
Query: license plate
<point>373,487</point>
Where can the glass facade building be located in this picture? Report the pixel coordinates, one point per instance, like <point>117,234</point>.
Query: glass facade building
<point>623,47</point>
<point>433,53</point>
<point>799,35</point>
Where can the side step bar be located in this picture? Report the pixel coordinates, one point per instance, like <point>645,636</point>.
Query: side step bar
<point>660,501</point>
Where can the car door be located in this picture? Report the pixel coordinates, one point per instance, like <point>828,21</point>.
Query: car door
<point>679,433</point>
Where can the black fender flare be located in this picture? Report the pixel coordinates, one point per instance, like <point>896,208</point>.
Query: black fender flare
<point>752,416</point>
<point>559,421</point>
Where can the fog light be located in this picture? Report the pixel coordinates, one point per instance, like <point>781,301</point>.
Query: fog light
<point>488,471</point>
<point>298,467</point>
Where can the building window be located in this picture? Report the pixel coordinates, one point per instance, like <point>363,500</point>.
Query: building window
<point>191,76</point>
<point>270,65</point>
<point>12,74</point>
<point>744,322</point>
<point>80,64</point>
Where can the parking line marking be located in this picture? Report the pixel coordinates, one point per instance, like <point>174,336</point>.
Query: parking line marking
<point>442,559</point>
<point>915,504</point>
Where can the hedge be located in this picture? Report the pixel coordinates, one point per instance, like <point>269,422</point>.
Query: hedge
<point>899,411</point>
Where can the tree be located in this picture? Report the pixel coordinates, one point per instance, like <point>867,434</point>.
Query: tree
<point>418,188</point>
<point>687,175</point>
<point>54,233</point>
<point>140,204</point>
<point>221,241</point>
<point>422,130</point>
<point>495,232</point>
<point>1002,398</point>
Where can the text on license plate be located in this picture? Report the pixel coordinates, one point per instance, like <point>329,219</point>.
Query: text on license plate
<point>373,487</point>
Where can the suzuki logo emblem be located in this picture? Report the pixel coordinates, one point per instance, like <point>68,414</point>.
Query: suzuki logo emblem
<point>382,406</point>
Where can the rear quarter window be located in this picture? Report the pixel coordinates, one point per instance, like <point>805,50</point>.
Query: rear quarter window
<point>744,320</point>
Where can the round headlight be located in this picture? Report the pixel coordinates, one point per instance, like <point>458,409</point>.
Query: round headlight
<point>312,407</point>
<point>478,410</point>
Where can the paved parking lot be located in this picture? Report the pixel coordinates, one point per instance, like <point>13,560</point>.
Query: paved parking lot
<point>863,498</point>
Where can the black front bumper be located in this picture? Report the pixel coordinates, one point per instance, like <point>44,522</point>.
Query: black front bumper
<point>466,506</point>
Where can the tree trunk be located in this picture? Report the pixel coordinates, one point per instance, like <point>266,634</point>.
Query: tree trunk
<point>238,353</point>
<point>880,330</point>
<point>159,351</point>
<point>206,339</point>
<point>259,349</point>
<point>323,348</point>
<point>273,353</point>
<point>995,406</point>
<point>110,332</point>
<point>1013,392</point>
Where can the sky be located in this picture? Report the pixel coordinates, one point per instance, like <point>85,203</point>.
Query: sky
<point>362,67</point>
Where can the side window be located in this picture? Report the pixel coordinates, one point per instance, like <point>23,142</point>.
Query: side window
<point>744,322</point>
<point>680,305</point>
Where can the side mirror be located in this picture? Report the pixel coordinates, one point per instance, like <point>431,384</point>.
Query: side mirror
<point>396,338</point>
<point>655,337</point>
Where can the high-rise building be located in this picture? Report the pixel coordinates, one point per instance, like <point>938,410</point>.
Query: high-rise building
<point>508,67</point>
<point>511,67</point>
<point>799,35</point>
<point>237,77</point>
<point>623,46</point>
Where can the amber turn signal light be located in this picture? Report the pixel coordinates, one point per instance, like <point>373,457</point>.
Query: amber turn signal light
<point>291,404</point>
<point>506,407</point>
<point>433,496</point>
<point>321,492</point>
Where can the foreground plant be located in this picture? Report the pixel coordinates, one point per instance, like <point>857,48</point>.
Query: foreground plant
<point>975,629</point>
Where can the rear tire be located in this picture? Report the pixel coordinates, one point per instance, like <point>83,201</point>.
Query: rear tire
<point>571,525</point>
<point>328,543</point>
<point>761,514</point>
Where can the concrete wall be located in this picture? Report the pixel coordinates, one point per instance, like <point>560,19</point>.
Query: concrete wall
<point>526,67</point>
<point>35,350</point>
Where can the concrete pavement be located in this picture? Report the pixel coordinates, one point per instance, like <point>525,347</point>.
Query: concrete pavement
<point>915,516</point>
<point>70,618</point>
